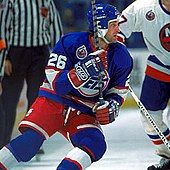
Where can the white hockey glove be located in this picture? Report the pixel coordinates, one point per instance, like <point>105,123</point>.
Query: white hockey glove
<point>91,66</point>
<point>107,112</point>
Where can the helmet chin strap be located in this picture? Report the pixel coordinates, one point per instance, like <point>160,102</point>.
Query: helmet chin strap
<point>102,34</point>
<point>107,41</point>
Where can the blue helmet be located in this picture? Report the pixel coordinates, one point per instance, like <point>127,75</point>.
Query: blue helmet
<point>104,14</point>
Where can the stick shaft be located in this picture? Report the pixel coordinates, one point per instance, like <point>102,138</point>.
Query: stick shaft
<point>149,118</point>
<point>96,42</point>
<point>94,11</point>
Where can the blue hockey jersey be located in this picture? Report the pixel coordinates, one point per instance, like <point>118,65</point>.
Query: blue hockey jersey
<point>68,51</point>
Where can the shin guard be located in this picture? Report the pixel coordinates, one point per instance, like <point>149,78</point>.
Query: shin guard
<point>22,148</point>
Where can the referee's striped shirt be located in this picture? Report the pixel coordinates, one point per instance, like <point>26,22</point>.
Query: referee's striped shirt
<point>29,23</point>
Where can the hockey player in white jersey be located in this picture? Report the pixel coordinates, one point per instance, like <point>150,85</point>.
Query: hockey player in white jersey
<point>152,18</point>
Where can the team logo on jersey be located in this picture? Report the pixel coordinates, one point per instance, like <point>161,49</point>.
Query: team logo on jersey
<point>91,89</point>
<point>165,37</point>
<point>44,12</point>
<point>150,15</point>
<point>81,52</point>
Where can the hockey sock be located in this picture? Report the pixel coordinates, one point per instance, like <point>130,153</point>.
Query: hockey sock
<point>76,159</point>
<point>90,146</point>
<point>92,141</point>
<point>22,148</point>
<point>161,148</point>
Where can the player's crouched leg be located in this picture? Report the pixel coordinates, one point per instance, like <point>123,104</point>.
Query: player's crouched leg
<point>90,146</point>
<point>20,149</point>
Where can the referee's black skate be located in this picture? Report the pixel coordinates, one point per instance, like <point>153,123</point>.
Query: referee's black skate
<point>164,164</point>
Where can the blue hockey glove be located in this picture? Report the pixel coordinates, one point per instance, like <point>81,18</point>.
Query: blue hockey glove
<point>107,112</point>
<point>91,66</point>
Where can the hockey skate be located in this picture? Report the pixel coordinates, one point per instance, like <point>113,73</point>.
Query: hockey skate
<point>164,164</point>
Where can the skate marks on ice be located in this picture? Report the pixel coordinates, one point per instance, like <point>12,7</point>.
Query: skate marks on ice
<point>55,149</point>
<point>128,147</point>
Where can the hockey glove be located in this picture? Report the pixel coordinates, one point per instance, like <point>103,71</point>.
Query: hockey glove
<point>107,112</point>
<point>91,66</point>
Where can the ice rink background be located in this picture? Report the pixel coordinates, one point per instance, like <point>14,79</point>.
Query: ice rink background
<point>128,147</point>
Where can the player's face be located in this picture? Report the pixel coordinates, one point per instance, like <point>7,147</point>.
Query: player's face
<point>113,30</point>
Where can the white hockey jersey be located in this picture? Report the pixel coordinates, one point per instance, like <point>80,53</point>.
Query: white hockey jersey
<point>153,20</point>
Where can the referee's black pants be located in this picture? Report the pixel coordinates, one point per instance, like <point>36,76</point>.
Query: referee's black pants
<point>28,63</point>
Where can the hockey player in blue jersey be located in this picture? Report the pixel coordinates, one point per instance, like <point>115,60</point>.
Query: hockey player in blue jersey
<point>68,99</point>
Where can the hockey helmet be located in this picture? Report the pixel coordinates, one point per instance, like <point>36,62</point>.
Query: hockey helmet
<point>105,13</point>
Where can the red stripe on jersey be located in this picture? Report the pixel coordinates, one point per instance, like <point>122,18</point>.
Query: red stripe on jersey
<point>74,78</point>
<point>52,67</point>
<point>121,87</point>
<point>2,167</point>
<point>48,90</point>
<point>75,162</point>
<point>154,73</point>
<point>79,100</point>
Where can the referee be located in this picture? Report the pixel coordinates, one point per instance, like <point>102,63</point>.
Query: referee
<point>2,56</point>
<point>30,28</point>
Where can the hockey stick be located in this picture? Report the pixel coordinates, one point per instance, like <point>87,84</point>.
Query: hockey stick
<point>96,41</point>
<point>149,118</point>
